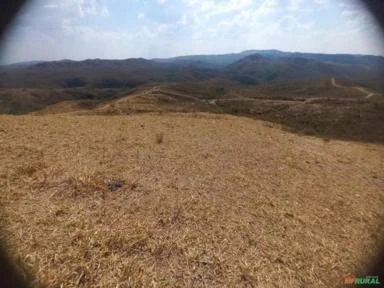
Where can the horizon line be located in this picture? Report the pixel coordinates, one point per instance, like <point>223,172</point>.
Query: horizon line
<point>187,55</point>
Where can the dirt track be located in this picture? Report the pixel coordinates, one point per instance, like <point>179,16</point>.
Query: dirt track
<point>368,94</point>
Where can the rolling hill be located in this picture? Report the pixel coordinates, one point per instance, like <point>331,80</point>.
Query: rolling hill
<point>227,59</point>
<point>323,107</point>
<point>256,68</point>
<point>99,73</point>
<point>247,68</point>
<point>207,201</point>
<point>245,170</point>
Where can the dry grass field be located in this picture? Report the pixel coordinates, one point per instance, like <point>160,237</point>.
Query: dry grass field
<point>207,201</point>
<point>313,107</point>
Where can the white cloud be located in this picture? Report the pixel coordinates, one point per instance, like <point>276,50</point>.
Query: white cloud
<point>229,7</point>
<point>76,8</point>
<point>358,19</point>
<point>322,2</point>
<point>295,4</point>
<point>268,7</point>
<point>214,8</point>
<point>183,20</point>
<point>50,6</point>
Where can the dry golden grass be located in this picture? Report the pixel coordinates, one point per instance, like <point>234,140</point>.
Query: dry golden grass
<point>223,202</point>
<point>313,107</point>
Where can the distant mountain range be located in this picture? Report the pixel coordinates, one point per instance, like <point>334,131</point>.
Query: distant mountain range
<point>227,59</point>
<point>249,67</point>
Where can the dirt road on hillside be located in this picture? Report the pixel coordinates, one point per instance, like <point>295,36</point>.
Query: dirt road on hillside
<point>368,94</point>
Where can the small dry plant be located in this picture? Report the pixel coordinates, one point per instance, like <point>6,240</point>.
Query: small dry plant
<point>160,138</point>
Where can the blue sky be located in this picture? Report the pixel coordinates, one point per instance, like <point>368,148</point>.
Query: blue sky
<point>119,29</point>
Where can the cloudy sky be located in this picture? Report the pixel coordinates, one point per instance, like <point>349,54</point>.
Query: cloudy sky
<point>118,29</point>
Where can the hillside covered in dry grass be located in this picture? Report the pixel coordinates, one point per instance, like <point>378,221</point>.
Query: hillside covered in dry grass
<point>234,170</point>
<point>327,107</point>
<point>208,200</point>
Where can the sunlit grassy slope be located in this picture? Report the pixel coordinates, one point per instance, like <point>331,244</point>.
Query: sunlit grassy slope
<point>208,201</point>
